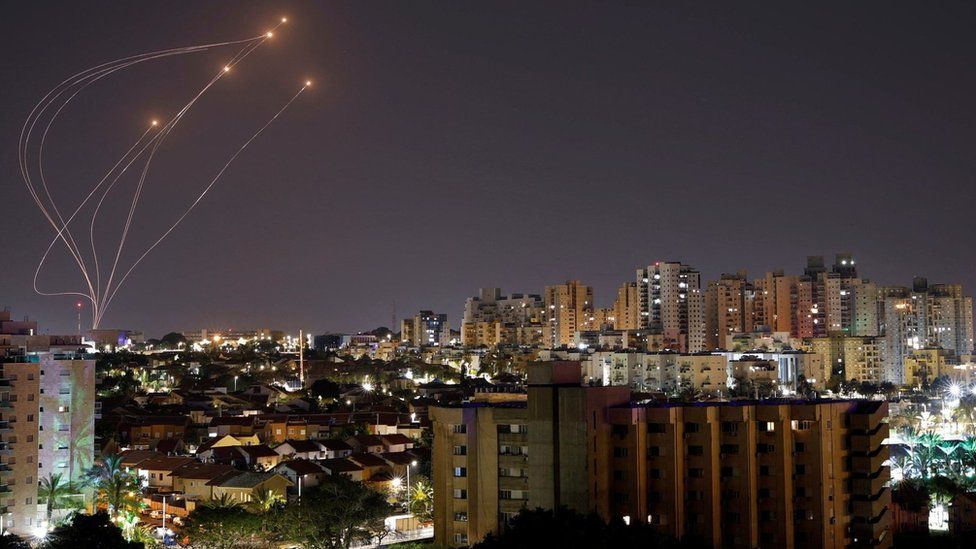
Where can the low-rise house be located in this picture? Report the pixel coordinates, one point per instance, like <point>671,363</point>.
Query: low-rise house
<point>344,467</point>
<point>244,486</point>
<point>302,473</point>
<point>142,432</point>
<point>156,472</point>
<point>232,425</point>
<point>301,449</point>
<point>375,468</point>
<point>335,448</point>
<point>193,479</point>
<point>396,442</point>
<point>365,444</point>
<point>131,458</point>
<point>259,456</point>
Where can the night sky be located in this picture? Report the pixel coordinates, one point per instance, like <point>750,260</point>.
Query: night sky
<point>451,145</point>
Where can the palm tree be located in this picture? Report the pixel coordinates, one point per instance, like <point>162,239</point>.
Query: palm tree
<point>925,453</point>
<point>967,453</point>
<point>264,500</point>
<point>948,449</point>
<point>114,487</point>
<point>54,491</point>
<point>224,501</point>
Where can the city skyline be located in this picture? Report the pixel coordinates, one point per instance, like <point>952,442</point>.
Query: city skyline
<point>519,154</point>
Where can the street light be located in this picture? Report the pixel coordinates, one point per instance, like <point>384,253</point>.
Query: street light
<point>235,384</point>
<point>410,466</point>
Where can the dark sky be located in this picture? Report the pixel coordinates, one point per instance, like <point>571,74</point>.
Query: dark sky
<point>452,145</point>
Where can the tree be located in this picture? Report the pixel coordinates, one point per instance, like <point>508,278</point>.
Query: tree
<point>55,492</point>
<point>90,531</point>
<point>115,487</point>
<point>172,340</point>
<point>264,500</point>
<point>336,514</point>
<point>221,524</point>
<point>10,541</point>
<point>421,502</point>
<point>324,389</point>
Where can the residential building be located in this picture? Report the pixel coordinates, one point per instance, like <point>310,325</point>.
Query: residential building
<point>773,473</point>
<point>672,304</point>
<point>567,308</point>
<point>729,304</point>
<point>426,329</point>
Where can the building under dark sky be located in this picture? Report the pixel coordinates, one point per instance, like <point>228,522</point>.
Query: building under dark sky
<point>447,146</point>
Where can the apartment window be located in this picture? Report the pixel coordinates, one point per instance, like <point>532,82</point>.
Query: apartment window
<point>461,539</point>
<point>765,493</point>
<point>460,493</point>
<point>461,516</point>
<point>460,450</point>
<point>27,501</point>
<point>619,475</point>
<point>656,428</point>
<point>460,471</point>
<point>695,495</point>
<point>619,430</point>
<point>763,448</point>
<point>661,519</point>
<point>800,469</point>
<point>459,428</point>
<point>30,418</point>
<point>696,450</point>
<point>802,425</point>
<point>30,397</point>
<point>696,472</point>
<point>654,497</point>
<point>799,447</point>
<point>764,470</point>
<point>29,480</point>
<point>691,427</point>
<point>732,517</point>
<point>620,498</point>
<point>655,473</point>
<point>620,452</point>
<point>654,451</point>
<point>767,515</point>
<point>767,426</point>
<point>730,428</point>
<point>727,472</point>
<point>729,449</point>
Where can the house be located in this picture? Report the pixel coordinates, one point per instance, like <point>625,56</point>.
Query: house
<point>301,472</point>
<point>156,472</point>
<point>301,449</point>
<point>170,446</point>
<point>192,479</point>
<point>131,458</point>
<point>204,451</point>
<point>335,448</point>
<point>259,456</point>
<point>399,462</point>
<point>142,432</point>
<point>396,442</point>
<point>344,467</point>
<point>375,468</point>
<point>243,487</point>
<point>232,425</point>
<point>280,428</point>
<point>368,444</point>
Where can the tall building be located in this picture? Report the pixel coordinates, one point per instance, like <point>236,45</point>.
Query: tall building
<point>729,304</point>
<point>851,358</point>
<point>673,305</point>
<point>492,319</point>
<point>567,308</point>
<point>47,418</point>
<point>771,473</point>
<point>426,329</point>
<point>626,308</point>
<point>923,317</point>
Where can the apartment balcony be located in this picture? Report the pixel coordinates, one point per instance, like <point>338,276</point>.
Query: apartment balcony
<point>873,506</point>
<point>869,464</point>
<point>6,405</point>
<point>868,442</point>
<point>6,427</point>
<point>869,415</point>
<point>5,470</point>
<point>5,385</point>
<point>4,489</point>
<point>5,449</point>
<point>870,485</point>
<point>866,532</point>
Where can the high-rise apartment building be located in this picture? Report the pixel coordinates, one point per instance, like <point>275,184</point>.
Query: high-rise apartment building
<point>626,308</point>
<point>426,329</point>
<point>924,316</point>
<point>673,305</point>
<point>492,319</point>
<point>729,304</point>
<point>772,473</point>
<point>47,418</point>
<point>567,307</point>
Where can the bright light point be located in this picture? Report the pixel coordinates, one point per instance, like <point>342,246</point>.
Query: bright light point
<point>226,69</point>
<point>269,35</point>
<point>284,19</point>
<point>955,390</point>
<point>368,387</point>
<point>308,83</point>
<point>155,122</point>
